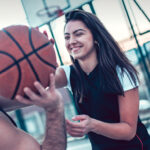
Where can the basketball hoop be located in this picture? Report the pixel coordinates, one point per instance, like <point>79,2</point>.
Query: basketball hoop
<point>45,11</point>
<point>51,12</point>
<point>60,12</point>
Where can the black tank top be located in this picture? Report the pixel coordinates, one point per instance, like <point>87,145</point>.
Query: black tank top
<point>103,105</point>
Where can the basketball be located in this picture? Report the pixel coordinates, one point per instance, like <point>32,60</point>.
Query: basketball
<point>26,55</point>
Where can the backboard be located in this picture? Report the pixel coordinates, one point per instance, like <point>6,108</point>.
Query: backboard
<point>39,12</point>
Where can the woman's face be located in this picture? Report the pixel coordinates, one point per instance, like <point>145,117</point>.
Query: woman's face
<point>79,40</point>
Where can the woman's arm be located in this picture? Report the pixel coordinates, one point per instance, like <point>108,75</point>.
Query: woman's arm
<point>60,78</point>
<point>125,130</point>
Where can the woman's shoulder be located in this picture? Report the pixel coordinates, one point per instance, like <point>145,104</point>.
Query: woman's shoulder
<point>126,79</point>
<point>61,76</point>
<point>66,68</point>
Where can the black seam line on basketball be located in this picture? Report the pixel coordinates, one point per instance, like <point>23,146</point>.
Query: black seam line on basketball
<point>19,71</point>
<point>25,56</point>
<point>33,48</point>
<point>21,59</point>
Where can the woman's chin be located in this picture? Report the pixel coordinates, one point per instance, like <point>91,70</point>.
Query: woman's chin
<point>76,56</point>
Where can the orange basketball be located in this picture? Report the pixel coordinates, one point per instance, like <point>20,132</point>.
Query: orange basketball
<point>26,55</point>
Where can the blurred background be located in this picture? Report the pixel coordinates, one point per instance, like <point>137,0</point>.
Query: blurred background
<point>127,20</point>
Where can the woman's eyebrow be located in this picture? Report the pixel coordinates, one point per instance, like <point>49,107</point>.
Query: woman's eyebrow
<point>75,31</point>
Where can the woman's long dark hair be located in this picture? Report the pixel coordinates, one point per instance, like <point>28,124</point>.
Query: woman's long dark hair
<point>109,54</point>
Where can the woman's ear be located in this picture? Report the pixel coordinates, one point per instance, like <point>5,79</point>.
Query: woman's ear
<point>96,43</point>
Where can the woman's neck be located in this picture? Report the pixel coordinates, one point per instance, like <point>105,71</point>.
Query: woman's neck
<point>88,65</point>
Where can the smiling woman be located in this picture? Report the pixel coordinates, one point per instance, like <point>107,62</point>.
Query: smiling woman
<point>104,85</point>
<point>79,43</point>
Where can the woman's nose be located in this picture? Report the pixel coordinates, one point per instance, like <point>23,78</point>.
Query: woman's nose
<point>72,40</point>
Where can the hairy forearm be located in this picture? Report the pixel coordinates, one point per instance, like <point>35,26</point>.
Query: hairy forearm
<point>118,131</point>
<point>55,131</point>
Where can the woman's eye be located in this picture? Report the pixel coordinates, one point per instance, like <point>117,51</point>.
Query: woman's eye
<point>79,34</point>
<point>67,37</point>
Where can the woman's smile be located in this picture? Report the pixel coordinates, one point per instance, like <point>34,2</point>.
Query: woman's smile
<point>76,49</point>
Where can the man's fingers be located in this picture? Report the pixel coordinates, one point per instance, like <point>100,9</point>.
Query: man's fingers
<point>45,33</point>
<point>30,94</point>
<point>40,88</point>
<point>52,41</point>
<point>52,82</point>
<point>23,100</point>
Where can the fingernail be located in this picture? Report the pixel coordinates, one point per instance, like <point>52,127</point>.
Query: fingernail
<point>35,83</point>
<point>26,88</point>
<point>17,96</point>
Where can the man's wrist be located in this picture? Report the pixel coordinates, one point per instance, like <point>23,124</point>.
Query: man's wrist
<point>58,108</point>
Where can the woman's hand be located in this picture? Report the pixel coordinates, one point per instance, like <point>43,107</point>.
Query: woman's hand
<point>49,99</point>
<point>79,129</point>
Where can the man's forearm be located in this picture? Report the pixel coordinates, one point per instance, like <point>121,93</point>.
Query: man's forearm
<point>55,130</point>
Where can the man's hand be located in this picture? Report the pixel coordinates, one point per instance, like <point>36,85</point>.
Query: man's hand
<point>49,99</point>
